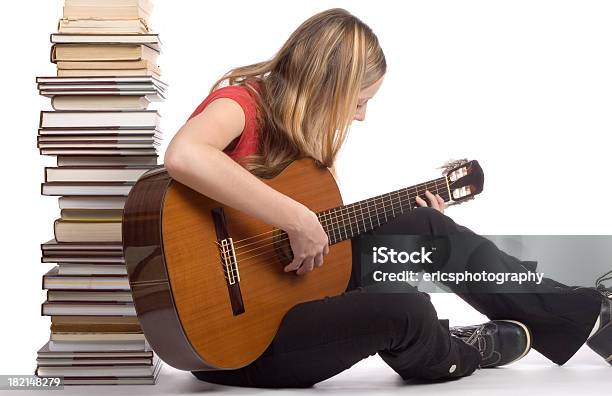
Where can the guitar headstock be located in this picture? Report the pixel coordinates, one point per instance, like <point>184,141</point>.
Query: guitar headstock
<point>465,180</point>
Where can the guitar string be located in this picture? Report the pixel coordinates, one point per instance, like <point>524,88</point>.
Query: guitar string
<point>271,253</point>
<point>327,217</point>
<point>350,217</point>
<point>273,250</point>
<point>349,228</point>
<point>325,222</point>
<point>338,229</point>
<point>233,270</point>
<point>417,187</point>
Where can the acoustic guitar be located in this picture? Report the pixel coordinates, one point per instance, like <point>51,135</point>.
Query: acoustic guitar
<point>207,280</point>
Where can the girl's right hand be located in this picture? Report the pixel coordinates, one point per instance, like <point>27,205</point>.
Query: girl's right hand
<point>308,240</point>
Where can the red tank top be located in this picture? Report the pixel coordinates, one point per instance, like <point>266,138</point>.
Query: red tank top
<point>247,142</point>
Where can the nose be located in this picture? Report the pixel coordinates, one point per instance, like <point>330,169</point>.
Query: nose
<point>359,116</point>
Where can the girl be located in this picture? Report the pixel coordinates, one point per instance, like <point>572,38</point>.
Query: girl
<point>301,104</point>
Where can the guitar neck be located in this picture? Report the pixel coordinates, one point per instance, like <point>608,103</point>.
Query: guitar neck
<point>347,221</point>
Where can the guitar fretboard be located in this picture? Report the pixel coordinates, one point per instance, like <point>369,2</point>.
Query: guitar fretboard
<point>347,221</point>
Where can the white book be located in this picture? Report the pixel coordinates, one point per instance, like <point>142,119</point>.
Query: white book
<point>116,80</point>
<point>151,40</point>
<point>91,269</point>
<point>96,145</point>
<point>97,152</point>
<point>97,309</point>
<point>65,174</point>
<point>145,119</point>
<point>57,346</point>
<point>57,188</point>
<point>91,202</point>
<point>99,132</point>
<point>90,362</point>
<point>97,102</point>
<point>61,295</point>
<point>53,281</point>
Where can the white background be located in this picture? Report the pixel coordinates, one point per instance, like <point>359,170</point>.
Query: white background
<point>525,87</point>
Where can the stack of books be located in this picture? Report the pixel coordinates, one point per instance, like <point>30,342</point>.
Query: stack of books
<point>104,138</point>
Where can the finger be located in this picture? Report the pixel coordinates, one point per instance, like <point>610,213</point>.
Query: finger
<point>318,260</point>
<point>441,202</point>
<point>326,250</point>
<point>420,201</point>
<point>307,266</point>
<point>295,264</point>
<point>432,200</point>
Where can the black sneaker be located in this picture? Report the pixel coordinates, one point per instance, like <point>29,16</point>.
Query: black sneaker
<point>499,342</point>
<point>601,340</point>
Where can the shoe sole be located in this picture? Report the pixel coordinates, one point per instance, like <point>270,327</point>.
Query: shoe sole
<point>601,343</point>
<point>527,332</point>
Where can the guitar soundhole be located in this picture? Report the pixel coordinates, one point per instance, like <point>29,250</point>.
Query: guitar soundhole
<point>282,247</point>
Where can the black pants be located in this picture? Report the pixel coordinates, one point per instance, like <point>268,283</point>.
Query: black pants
<point>319,339</point>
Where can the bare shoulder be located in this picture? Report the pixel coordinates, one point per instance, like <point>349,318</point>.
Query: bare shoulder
<point>220,122</point>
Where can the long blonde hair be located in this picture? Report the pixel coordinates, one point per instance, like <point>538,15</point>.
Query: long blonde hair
<point>307,93</point>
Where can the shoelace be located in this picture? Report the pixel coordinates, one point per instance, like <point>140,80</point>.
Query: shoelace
<point>599,284</point>
<point>471,335</point>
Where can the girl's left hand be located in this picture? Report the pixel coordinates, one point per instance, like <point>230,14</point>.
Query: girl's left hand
<point>436,201</point>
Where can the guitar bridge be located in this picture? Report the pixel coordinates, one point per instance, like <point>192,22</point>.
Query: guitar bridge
<point>228,259</point>
<point>229,263</point>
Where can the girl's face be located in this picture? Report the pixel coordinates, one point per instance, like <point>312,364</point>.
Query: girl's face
<point>364,96</point>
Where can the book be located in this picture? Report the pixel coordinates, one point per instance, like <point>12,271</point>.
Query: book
<point>97,151</point>
<point>88,377</point>
<point>150,139</point>
<point>83,202</point>
<point>91,214</point>
<point>53,281</point>
<point>83,259</point>
<point>103,80</point>
<point>146,4</point>
<point>94,323</point>
<point>94,174</point>
<point>88,336</point>
<point>92,361</point>
<point>108,10</point>
<point>97,345</point>
<point>150,40</point>
<point>151,95</point>
<point>101,371</point>
<point>102,26</point>
<point>88,145</point>
<point>52,245</point>
<point>84,296</point>
<point>107,72</point>
<point>86,188</point>
<point>111,131</point>
<point>98,102</point>
<point>102,52</point>
<point>128,119</point>
<point>88,141</point>
<point>77,231</point>
<point>118,66</point>
<point>87,308</point>
<point>79,268</point>
<point>47,353</point>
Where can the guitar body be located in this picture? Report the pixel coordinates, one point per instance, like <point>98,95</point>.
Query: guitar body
<point>178,282</point>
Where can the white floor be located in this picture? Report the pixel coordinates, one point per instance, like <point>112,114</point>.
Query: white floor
<point>585,374</point>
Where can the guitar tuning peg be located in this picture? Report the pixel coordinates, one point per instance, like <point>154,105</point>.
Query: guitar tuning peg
<point>452,164</point>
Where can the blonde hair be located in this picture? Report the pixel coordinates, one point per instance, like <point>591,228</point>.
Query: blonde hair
<point>308,91</point>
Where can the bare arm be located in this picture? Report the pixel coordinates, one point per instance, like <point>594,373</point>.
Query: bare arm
<point>194,157</point>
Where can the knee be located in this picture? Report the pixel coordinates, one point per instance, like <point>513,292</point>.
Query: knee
<point>409,313</point>
<point>428,221</point>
